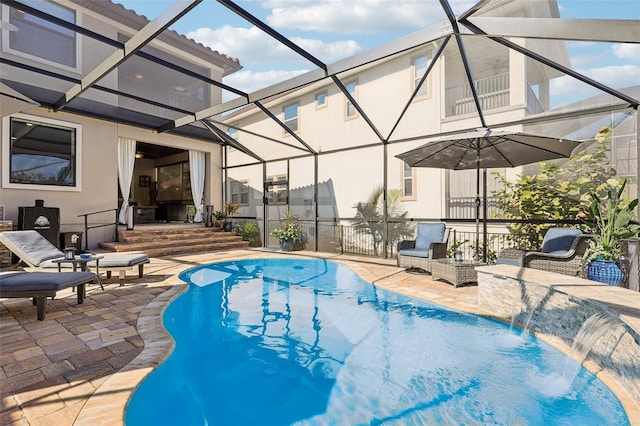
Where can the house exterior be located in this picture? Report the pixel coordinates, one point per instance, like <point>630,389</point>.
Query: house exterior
<point>69,159</point>
<point>104,77</point>
<point>357,156</point>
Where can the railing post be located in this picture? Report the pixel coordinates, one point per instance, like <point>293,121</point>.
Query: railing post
<point>86,232</point>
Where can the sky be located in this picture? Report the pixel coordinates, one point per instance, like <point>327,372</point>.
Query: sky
<point>335,29</point>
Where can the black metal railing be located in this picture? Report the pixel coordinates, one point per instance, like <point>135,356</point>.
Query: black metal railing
<point>100,225</point>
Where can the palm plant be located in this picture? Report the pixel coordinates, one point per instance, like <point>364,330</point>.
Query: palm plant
<point>369,218</point>
<point>610,221</point>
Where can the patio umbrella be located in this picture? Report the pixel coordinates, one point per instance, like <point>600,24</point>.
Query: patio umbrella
<point>485,149</point>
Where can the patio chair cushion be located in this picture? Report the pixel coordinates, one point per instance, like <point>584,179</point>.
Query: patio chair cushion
<point>120,260</point>
<point>428,233</point>
<point>559,240</point>
<point>414,253</point>
<point>42,281</point>
<point>31,246</point>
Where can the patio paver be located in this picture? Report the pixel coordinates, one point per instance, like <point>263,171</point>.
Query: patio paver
<point>80,365</point>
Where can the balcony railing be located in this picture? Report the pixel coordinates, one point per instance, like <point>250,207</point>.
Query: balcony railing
<point>492,91</point>
<point>465,207</point>
<point>533,103</point>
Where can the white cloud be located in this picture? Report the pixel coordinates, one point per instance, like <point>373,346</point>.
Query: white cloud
<point>250,81</point>
<point>362,16</point>
<point>253,46</point>
<point>616,77</point>
<point>627,51</point>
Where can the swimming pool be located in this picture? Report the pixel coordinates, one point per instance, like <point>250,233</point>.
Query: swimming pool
<point>281,341</point>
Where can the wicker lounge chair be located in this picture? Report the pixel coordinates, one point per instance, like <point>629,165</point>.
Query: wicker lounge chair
<point>40,285</point>
<point>561,252</point>
<point>39,255</point>
<point>430,243</point>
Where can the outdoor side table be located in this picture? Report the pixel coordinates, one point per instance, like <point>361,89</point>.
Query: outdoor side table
<point>456,272</point>
<point>82,261</point>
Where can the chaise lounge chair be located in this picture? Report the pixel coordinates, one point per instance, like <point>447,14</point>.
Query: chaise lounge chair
<point>39,255</point>
<point>561,252</point>
<point>430,243</point>
<point>40,285</point>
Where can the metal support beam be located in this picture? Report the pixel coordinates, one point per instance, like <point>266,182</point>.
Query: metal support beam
<point>465,59</point>
<point>284,126</point>
<point>316,209</point>
<point>135,43</point>
<point>607,30</point>
<point>385,199</point>
<point>258,135</point>
<point>273,33</point>
<point>434,60</point>
<point>355,104</point>
<point>228,140</point>
<point>396,47</point>
<point>554,65</point>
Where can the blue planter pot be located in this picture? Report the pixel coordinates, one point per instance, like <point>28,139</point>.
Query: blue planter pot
<point>605,271</point>
<point>286,245</point>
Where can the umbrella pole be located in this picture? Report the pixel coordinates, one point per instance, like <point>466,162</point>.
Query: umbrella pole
<point>484,215</point>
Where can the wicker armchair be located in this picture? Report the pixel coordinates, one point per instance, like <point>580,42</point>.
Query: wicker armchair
<point>566,262</point>
<point>430,243</point>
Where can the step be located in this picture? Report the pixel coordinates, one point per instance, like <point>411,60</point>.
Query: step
<point>164,241</point>
<point>167,239</point>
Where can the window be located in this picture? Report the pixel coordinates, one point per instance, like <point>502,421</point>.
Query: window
<point>350,110</point>
<point>174,183</point>
<point>321,100</point>
<point>240,192</point>
<point>40,153</point>
<point>407,181</point>
<point>277,189</point>
<point>43,40</point>
<point>419,65</point>
<point>291,117</point>
<point>233,133</point>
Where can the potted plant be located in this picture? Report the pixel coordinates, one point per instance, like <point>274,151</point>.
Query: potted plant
<point>220,217</point>
<point>231,210</point>
<point>290,234</point>
<point>455,251</point>
<point>610,221</point>
<point>249,232</point>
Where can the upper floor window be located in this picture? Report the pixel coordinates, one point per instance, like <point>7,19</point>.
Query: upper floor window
<point>321,100</point>
<point>40,39</point>
<point>407,181</point>
<point>291,117</point>
<point>39,153</point>
<point>419,65</point>
<point>350,109</point>
<point>233,133</point>
<point>240,192</point>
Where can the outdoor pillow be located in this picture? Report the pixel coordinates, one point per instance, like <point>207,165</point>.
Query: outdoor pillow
<point>559,240</point>
<point>429,233</point>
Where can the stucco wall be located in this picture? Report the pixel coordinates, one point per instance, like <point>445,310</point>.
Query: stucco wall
<point>100,174</point>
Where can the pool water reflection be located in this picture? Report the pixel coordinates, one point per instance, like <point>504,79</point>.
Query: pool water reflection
<point>281,341</point>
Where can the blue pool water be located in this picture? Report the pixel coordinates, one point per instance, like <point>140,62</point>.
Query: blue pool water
<point>308,342</point>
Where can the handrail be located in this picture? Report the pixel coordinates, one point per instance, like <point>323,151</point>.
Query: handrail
<point>87,227</point>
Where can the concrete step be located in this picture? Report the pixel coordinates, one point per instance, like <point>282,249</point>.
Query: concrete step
<point>159,241</point>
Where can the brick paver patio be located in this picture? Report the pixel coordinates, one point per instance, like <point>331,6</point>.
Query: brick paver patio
<point>80,365</point>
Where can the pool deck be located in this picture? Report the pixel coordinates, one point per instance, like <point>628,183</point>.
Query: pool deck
<point>79,365</point>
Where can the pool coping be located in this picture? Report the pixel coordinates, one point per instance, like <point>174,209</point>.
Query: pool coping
<point>107,405</point>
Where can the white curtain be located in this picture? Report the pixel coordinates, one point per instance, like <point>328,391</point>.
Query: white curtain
<point>196,168</point>
<point>126,160</point>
